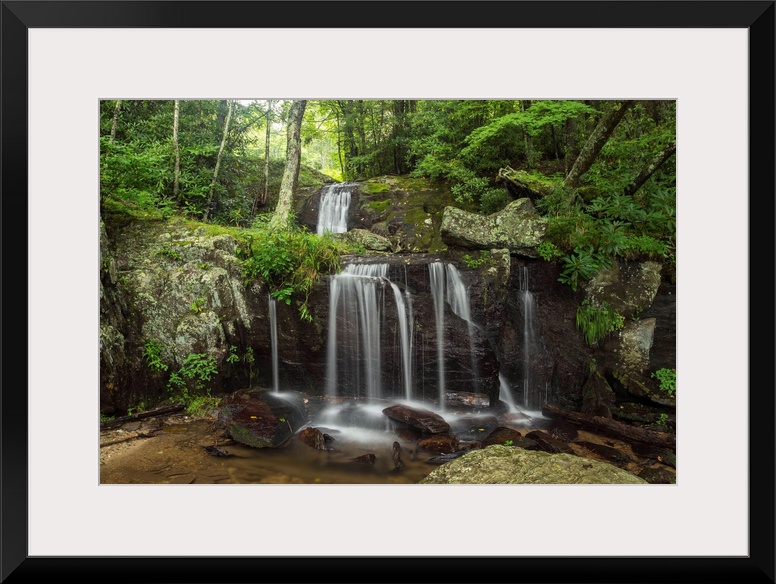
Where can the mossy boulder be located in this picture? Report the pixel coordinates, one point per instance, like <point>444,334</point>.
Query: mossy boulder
<point>405,210</point>
<point>370,241</point>
<point>512,465</point>
<point>517,227</point>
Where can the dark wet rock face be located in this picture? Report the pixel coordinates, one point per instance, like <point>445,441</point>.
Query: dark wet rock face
<point>502,435</point>
<point>547,442</point>
<point>658,476</point>
<point>440,443</point>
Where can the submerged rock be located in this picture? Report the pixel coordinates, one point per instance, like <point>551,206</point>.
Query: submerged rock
<point>312,437</point>
<point>508,465</point>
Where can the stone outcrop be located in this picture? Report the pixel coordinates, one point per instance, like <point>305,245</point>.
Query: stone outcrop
<point>512,465</point>
<point>517,228</point>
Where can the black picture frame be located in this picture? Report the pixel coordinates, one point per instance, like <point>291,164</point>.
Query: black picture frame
<point>19,16</point>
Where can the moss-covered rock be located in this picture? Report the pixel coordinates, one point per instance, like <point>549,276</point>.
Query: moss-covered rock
<point>370,241</point>
<point>512,465</point>
<point>517,228</point>
<point>406,210</point>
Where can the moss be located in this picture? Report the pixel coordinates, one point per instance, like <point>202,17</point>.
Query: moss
<point>373,187</point>
<point>379,206</point>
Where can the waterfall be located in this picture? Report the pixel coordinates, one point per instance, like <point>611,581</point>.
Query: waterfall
<point>273,332</point>
<point>405,337</point>
<point>437,276</point>
<point>457,295</point>
<point>333,209</point>
<point>447,286</point>
<point>505,393</point>
<point>356,323</point>
<point>532,396</point>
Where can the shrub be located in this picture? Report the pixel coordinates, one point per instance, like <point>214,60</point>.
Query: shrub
<point>667,379</point>
<point>596,322</point>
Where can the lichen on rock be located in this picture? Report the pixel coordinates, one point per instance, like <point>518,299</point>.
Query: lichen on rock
<point>499,464</point>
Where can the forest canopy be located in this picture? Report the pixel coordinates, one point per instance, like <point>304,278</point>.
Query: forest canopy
<point>601,171</point>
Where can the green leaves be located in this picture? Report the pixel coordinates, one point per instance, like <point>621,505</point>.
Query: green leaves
<point>579,266</point>
<point>152,351</point>
<point>597,321</point>
<point>667,379</point>
<point>289,260</point>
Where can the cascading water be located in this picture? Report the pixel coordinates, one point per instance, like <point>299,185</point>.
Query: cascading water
<point>333,210</point>
<point>356,323</point>
<point>447,286</point>
<point>457,295</point>
<point>437,276</point>
<point>273,331</point>
<point>533,397</point>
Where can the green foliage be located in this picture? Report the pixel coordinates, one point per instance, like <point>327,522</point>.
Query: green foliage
<point>199,367</point>
<point>493,200</point>
<point>290,260</point>
<point>249,358</point>
<point>509,442</point>
<point>662,420</point>
<point>189,385</point>
<point>141,407</point>
<point>597,321</point>
<point>472,263</point>
<point>202,405</point>
<point>667,379</point>
<point>169,253</point>
<point>152,351</point>
<point>233,357</point>
<point>549,252</point>
<point>198,305</point>
<point>579,266</point>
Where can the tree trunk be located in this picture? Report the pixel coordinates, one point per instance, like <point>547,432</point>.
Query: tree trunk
<point>261,198</point>
<point>163,411</point>
<point>613,427</point>
<point>218,160</point>
<point>596,142</point>
<point>265,192</point>
<point>293,160</point>
<point>115,121</point>
<point>650,169</point>
<point>177,180</point>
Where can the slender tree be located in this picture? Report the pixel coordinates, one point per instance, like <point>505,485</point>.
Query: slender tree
<point>596,142</point>
<point>261,197</point>
<point>657,161</point>
<point>218,160</point>
<point>177,179</point>
<point>115,124</point>
<point>293,159</point>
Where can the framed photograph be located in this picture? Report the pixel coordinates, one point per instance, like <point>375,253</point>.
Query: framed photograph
<point>63,61</point>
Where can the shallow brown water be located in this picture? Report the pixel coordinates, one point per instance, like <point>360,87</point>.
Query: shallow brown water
<point>177,455</point>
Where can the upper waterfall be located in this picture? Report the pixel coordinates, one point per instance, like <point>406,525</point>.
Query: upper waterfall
<point>333,210</point>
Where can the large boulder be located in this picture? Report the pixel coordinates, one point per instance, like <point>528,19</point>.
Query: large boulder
<point>510,465</point>
<point>262,419</point>
<point>420,418</point>
<point>517,228</point>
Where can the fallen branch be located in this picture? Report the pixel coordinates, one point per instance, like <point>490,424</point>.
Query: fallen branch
<point>166,410</point>
<point>613,427</point>
<point>126,439</point>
